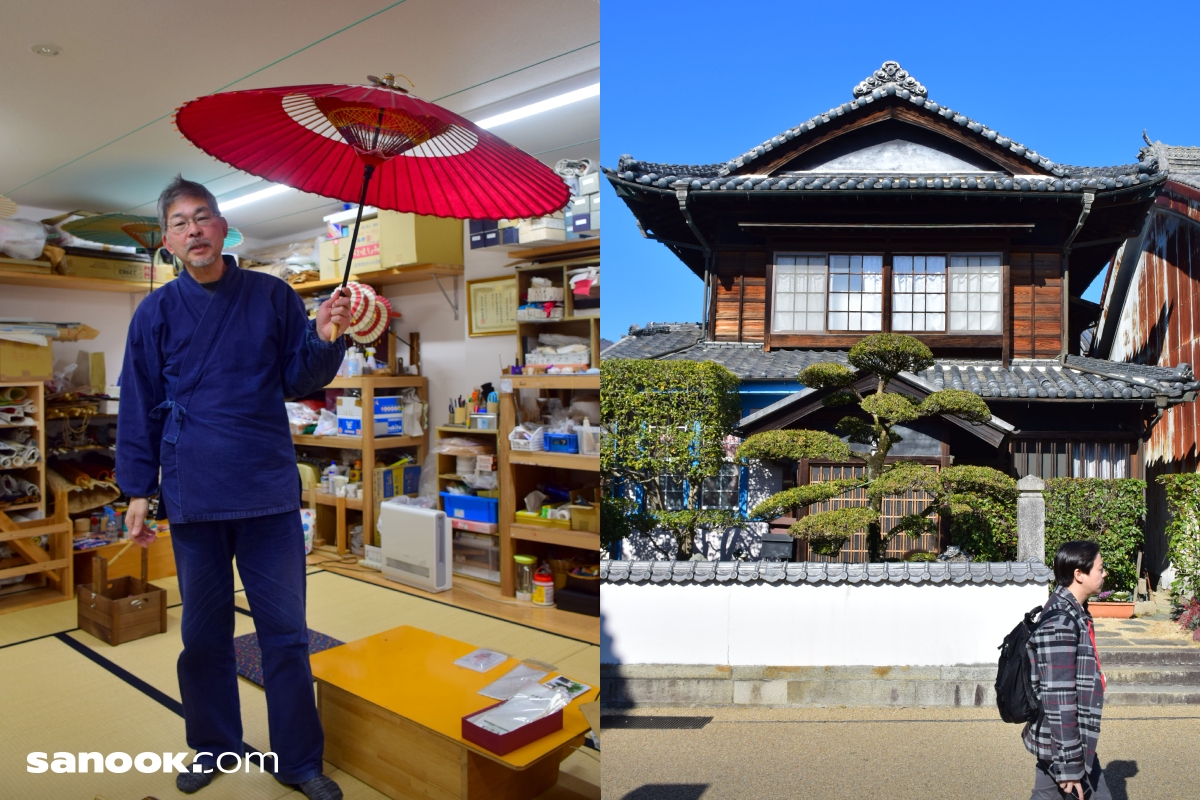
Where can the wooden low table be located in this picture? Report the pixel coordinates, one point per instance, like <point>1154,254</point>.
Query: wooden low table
<point>392,707</point>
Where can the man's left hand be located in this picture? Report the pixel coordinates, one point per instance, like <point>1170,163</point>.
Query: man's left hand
<point>334,311</point>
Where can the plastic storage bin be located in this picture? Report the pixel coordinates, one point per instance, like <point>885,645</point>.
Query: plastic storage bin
<point>561,442</point>
<point>477,556</point>
<point>465,506</point>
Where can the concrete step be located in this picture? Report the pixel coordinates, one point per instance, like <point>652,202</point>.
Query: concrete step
<point>1156,656</point>
<point>1151,675</point>
<point>1143,695</point>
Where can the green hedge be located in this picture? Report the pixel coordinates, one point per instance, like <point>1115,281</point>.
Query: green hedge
<point>1108,512</point>
<point>1183,531</point>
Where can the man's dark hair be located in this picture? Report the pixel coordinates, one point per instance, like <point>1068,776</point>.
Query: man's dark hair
<point>182,187</point>
<point>1074,556</point>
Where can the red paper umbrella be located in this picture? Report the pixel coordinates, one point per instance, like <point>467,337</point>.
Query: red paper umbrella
<point>315,139</point>
<point>426,160</point>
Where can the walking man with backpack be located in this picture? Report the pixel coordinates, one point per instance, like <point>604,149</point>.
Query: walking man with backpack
<point>1066,679</point>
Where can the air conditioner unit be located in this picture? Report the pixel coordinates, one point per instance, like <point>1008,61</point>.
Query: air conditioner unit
<point>416,544</point>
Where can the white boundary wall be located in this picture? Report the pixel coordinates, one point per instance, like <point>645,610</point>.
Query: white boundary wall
<point>810,625</point>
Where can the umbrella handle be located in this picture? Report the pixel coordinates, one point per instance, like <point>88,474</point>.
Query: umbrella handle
<point>368,171</point>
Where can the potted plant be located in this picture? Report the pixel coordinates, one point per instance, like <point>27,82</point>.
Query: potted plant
<point>1111,604</point>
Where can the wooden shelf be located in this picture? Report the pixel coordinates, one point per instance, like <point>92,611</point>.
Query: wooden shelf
<point>559,252</point>
<point>326,499</point>
<point>461,429</point>
<point>555,381</point>
<point>553,535</point>
<point>542,458</point>
<point>22,506</point>
<point>378,381</point>
<point>356,442</point>
<point>51,281</point>
<point>385,277</point>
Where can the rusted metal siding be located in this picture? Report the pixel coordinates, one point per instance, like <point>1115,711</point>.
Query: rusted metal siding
<point>1160,323</point>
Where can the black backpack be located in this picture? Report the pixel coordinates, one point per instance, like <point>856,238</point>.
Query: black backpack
<point>1014,686</point>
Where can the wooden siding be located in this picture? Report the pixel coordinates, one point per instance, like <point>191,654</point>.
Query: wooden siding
<point>1037,299</point>
<point>740,310</point>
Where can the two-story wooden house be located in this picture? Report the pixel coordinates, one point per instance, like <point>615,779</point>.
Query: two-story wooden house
<point>891,212</point>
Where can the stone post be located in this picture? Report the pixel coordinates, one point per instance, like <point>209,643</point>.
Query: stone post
<point>1031,519</point>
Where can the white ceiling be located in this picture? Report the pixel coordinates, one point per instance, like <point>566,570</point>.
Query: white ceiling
<point>91,128</point>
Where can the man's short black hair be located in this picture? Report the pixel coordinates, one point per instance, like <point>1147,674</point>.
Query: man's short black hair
<point>1074,556</point>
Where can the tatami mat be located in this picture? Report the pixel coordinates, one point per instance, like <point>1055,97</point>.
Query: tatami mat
<point>348,609</point>
<point>90,709</point>
<point>69,704</point>
<point>20,626</point>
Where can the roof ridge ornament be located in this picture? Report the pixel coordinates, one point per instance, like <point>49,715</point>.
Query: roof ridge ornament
<point>890,72</point>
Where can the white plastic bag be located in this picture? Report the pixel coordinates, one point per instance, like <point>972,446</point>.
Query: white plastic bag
<point>22,238</point>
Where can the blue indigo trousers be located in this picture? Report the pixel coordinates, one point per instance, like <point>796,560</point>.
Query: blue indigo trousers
<point>270,561</point>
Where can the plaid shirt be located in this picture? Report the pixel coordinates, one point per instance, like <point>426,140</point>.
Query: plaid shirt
<point>1066,678</point>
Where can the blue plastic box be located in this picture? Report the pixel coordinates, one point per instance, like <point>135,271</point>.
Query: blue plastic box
<point>469,507</point>
<point>560,442</point>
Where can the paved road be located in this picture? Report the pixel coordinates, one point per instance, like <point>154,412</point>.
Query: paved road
<point>894,753</point>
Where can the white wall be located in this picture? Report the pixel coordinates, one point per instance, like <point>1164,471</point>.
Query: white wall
<point>107,312</point>
<point>763,624</point>
<point>453,361</point>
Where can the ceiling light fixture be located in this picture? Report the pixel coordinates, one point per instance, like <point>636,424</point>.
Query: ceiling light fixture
<point>253,197</point>
<point>46,49</point>
<point>537,108</point>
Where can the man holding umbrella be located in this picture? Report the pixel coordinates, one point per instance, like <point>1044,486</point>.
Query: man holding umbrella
<point>209,359</point>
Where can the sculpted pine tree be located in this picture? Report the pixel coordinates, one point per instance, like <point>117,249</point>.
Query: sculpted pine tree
<point>885,356</point>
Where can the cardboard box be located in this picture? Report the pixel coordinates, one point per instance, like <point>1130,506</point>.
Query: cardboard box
<point>330,260</point>
<point>391,481</point>
<point>510,235</point>
<point>582,222</point>
<point>590,183</point>
<point>585,518</point>
<point>25,362</point>
<point>388,406</point>
<point>581,204</point>
<point>593,203</point>
<point>395,240</point>
<point>115,269</point>
<point>89,371</point>
<point>384,426</point>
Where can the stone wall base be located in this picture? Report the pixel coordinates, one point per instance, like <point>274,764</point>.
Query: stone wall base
<point>662,685</point>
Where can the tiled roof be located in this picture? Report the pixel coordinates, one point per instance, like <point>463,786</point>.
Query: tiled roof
<point>888,81</point>
<point>1182,164</point>
<point>1079,379</point>
<point>654,341</point>
<point>954,572</point>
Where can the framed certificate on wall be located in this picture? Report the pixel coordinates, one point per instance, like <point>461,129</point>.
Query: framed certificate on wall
<point>492,306</point>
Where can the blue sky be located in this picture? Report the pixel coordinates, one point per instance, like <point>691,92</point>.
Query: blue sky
<point>701,82</point>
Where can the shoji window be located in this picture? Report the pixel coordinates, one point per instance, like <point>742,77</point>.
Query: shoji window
<point>919,293</point>
<point>975,301</point>
<point>799,302</point>
<point>1065,458</point>
<point>855,293</point>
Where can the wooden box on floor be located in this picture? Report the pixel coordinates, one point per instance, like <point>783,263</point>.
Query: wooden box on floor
<point>124,608</point>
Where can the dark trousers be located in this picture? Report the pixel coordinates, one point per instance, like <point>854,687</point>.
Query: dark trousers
<point>270,561</point>
<point>1046,788</point>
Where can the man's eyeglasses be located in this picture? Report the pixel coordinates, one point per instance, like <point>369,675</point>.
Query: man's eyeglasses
<point>203,219</point>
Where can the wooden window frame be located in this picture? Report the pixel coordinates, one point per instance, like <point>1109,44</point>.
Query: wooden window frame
<point>841,338</point>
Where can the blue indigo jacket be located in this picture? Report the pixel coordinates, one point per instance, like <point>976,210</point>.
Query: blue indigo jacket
<point>202,395</point>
